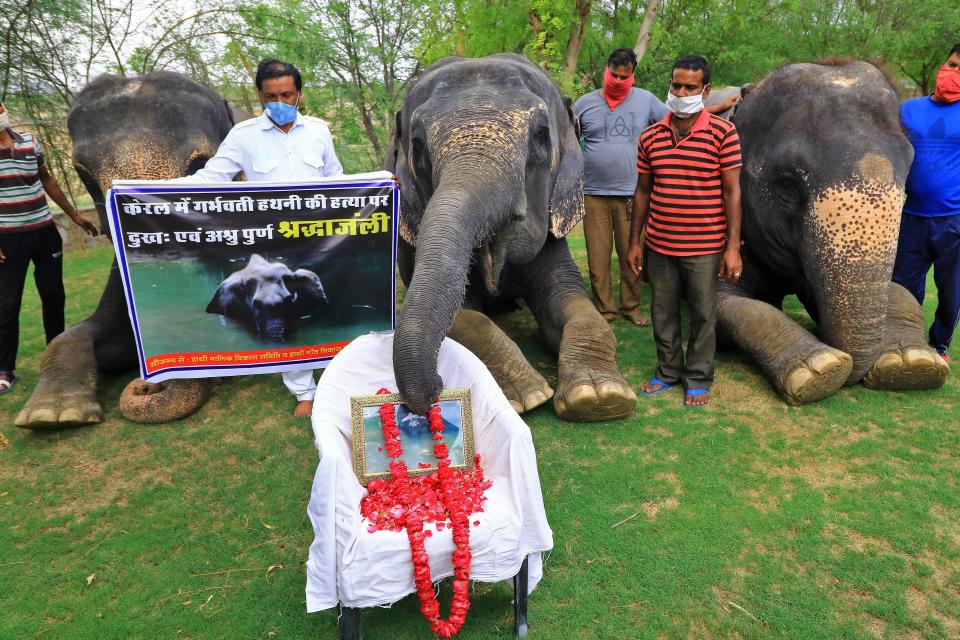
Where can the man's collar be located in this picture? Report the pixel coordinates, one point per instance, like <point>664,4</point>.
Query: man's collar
<point>702,121</point>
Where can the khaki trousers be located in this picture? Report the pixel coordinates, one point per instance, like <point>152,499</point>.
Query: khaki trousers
<point>605,222</point>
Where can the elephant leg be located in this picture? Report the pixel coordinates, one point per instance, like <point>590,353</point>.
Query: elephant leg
<point>66,393</point>
<point>153,403</point>
<point>524,387</point>
<point>590,386</point>
<point>802,368</point>
<point>906,361</point>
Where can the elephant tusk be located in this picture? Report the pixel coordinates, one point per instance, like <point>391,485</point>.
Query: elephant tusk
<point>487,257</point>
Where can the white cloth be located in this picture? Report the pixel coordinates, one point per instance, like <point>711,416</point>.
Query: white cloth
<point>266,154</point>
<point>300,383</point>
<point>347,564</point>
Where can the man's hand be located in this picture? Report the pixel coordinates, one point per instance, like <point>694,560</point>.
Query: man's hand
<point>635,257</point>
<point>3,258</point>
<point>731,266</point>
<point>729,102</point>
<point>83,223</point>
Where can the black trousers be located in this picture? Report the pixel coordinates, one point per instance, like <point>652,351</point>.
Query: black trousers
<point>670,278</point>
<point>44,247</point>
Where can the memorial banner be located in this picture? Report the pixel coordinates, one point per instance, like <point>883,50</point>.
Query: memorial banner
<point>242,278</point>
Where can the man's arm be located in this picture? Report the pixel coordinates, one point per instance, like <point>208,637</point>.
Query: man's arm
<point>638,221</point>
<point>731,265</point>
<point>52,187</point>
<point>222,167</point>
<point>720,107</point>
<point>331,165</point>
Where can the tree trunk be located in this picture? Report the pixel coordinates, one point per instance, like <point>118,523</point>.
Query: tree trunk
<point>643,38</point>
<point>574,43</point>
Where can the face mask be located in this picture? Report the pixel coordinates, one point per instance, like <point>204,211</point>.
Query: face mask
<point>615,91</point>
<point>948,85</point>
<point>4,120</point>
<point>281,112</point>
<point>686,106</point>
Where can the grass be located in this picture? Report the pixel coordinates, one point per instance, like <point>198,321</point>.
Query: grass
<point>749,519</point>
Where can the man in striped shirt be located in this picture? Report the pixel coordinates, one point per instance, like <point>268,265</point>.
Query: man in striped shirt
<point>27,233</point>
<point>688,201</point>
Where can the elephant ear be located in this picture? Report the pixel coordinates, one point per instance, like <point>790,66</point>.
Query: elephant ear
<point>397,163</point>
<point>307,286</point>
<point>228,299</point>
<point>566,197</point>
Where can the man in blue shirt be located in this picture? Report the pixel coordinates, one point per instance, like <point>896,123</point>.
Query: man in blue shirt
<point>930,227</point>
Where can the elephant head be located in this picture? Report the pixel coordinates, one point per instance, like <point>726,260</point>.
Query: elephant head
<point>825,166</point>
<point>268,297</point>
<point>157,126</point>
<point>489,165</point>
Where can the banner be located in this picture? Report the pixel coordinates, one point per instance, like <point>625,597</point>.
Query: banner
<point>240,278</point>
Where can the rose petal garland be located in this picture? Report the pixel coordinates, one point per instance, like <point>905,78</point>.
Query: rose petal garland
<point>405,502</point>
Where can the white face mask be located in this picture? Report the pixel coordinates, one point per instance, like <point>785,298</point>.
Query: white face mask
<point>4,120</point>
<point>686,106</point>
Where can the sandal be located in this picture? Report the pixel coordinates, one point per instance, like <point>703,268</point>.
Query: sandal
<point>7,385</point>
<point>656,381</point>
<point>695,392</point>
<point>637,321</point>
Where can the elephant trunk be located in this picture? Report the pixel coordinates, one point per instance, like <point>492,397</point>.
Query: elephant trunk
<point>851,242</point>
<point>457,219</point>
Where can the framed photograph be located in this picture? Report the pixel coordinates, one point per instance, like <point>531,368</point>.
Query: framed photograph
<point>370,459</point>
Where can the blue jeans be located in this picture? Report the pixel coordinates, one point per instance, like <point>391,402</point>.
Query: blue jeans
<point>926,242</point>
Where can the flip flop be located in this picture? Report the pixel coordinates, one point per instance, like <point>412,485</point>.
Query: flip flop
<point>664,386</point>
<point>637,321</point>
<point>695,392</point>
<point>7,385</point>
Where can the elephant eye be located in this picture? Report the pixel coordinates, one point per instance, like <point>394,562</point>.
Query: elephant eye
<point>789,191</point>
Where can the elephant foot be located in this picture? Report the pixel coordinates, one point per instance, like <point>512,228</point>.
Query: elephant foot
<point>523,386</point>
<point>818,375</point>
<point>154,403</point>
<point>907,369</point>
<point>590,387</point>
<point>60,404</point>
<point>605,398</point>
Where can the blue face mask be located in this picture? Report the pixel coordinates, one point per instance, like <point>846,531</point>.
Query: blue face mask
<point>281,112</point>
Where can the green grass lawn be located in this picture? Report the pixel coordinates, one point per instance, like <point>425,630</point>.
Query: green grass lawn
<point>749,519</point>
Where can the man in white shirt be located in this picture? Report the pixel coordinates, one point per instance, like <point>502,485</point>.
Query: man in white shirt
<point>281,145</point>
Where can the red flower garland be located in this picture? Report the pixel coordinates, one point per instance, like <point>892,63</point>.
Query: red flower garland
<point>405,502</point>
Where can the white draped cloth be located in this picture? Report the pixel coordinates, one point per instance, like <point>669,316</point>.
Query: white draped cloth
<point>349,565</point>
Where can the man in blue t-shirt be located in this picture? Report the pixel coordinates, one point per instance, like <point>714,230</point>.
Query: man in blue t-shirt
<point>930,227</point>
<point>611,120</point>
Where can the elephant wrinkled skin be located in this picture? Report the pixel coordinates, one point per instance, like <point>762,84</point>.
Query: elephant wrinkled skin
<point>825,165</point>
<point>154,127</point>
<point>490,174</point>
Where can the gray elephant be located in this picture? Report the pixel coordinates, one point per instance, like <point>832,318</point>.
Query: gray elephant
<point>268,298</point>
<point>156,126</point>
<point>490,173</point>
<point>825,165</point>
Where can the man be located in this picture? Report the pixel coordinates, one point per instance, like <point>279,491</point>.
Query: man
<point>280,145</point>
<point>27,233</point>
<point>930,226</point>
<point>689,185</point>
<point>611,120</point>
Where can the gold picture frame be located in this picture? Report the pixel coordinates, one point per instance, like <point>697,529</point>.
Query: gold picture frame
<point>370,458</point>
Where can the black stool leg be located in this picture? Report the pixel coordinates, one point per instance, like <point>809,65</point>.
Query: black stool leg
<point>351,627</point>
<point>520,588</point>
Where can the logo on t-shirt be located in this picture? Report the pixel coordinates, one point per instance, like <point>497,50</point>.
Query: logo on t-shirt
<point>621,128</point>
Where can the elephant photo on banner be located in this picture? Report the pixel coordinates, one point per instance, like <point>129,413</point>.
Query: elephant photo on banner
<point>491,176</point>
<point>825,162</point>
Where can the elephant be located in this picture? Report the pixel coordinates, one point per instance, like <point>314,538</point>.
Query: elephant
<point>490,172</point>
<point>825,162</point>
<point>156,126</point>
<point>268,298</point>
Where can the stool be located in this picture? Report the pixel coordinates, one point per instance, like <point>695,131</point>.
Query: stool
<point>351,625</point>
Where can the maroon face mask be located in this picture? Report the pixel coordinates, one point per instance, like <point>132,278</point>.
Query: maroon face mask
<point>615,91</point>
<point>948,85</point>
